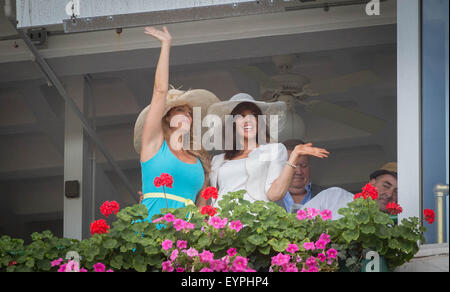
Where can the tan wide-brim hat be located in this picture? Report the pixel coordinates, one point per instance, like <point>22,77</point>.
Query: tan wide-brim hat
<point>200,98</point>
<point>277,108</point>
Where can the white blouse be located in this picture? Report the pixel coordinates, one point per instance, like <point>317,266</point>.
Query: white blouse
<point>262,167</point>
<point>232,178</point>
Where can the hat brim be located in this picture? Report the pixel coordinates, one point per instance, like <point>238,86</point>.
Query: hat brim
<point>199,98</point>
<point>380,172</point>
<point>278,108</point>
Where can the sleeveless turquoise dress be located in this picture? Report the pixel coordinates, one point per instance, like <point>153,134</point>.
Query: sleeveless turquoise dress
<point>188,180</point>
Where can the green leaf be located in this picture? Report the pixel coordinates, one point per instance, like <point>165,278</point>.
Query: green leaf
<point>368,229</point>
<point>362,218</point>
<point>110,243</point>
<point>279,245</point>
<point>116,262</point>
<point>30,263</point>
<point>382,218</point>
<point>350,235</point>
<point>383,231</point>
<point>257,239</point>
<point>264,250</point>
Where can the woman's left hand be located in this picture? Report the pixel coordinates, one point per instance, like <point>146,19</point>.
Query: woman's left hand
<point>308,149</point>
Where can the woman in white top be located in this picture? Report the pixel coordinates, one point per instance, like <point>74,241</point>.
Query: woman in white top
<point>263,170</point>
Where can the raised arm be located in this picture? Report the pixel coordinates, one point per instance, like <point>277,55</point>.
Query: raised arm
<point>279,187</point>
<point>152,134</point>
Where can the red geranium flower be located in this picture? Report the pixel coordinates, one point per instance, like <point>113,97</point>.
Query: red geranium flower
<point>109,208</point>
<point>210,192</point>
<point>99,227</point>
<point>157,182</point>
<point>429,215</point>
<point>210,210</point>
<point>12,263</point>
<point>163,180</point>
<point>368,191</point>
<point>394,208</point>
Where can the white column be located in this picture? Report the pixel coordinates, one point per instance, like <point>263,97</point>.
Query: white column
<point>409,107</point>
<point>77,211</point>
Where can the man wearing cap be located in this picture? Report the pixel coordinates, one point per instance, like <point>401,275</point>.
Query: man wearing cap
<point>384,180</point>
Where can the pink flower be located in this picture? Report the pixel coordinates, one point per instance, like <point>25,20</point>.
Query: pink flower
<point>312,213</point>
<point>249,270</point>
<point>218,265</point>
<point>290,268</point>
<point>62,268</point>
<point>312,261</point>
<point>99,268</point>
<point>181,244</point>
<point>240,262</point>
<point>190,226</point>
<point>299,259</point>
<point>83,270</point>
<point>280,259</point>
<point>232,252</point>
<point>325,237</point>
<point>322,257</point>
<point>57,262</point>
<point>309,246</point>
<point>206,256</point>
<point>206,270</point>
<point>174,255</point>
<point>329,262</point>
<point>179,224</point>
<point>332,253</point>
<point>167,266</point>
<point>236,225</point>
<point>217,223</point>
<point>180,270</point>
<point>110,271</point>
<point>301,215</point>
<point>192,252</point>
<point>326,215</point>
<point>167,244</point>
<point>320,244</point>
<point>292,248</point>
<point>313,269</point>
<point>169,217</point>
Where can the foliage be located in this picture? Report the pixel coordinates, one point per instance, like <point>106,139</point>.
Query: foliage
<point>133,244</point>
<point>364,227</point>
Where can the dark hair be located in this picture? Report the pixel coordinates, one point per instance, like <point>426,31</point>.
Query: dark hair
<point>238,110</point>
<point>290,144</point>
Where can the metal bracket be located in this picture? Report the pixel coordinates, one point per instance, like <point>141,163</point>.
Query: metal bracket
<point>38,36</point>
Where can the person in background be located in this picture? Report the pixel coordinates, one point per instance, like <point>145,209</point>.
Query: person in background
<point>301,190</point>
<point>383,179</point>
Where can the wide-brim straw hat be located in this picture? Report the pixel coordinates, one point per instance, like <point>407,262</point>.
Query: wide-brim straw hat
<point>278,108</point>
<point>200,98</point>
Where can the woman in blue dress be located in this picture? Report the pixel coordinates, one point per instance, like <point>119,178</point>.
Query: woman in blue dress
<point>159,133</point>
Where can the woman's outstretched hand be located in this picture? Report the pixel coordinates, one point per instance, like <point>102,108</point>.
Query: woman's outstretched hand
<point>162,35</point>
<point>308,149</point>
